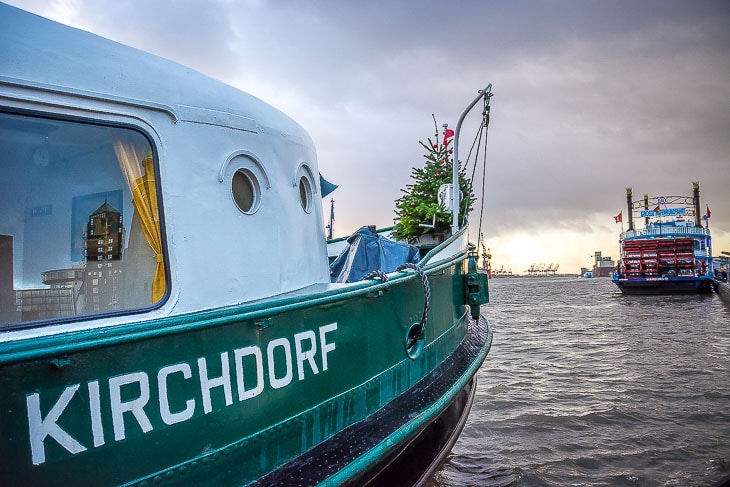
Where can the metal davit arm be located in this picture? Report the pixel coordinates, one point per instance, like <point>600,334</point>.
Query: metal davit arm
<point>455,196</point>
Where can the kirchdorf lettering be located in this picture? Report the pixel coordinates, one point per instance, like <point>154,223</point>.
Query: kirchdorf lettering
<point>136,400</point>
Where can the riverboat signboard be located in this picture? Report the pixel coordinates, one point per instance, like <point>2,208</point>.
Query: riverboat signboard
<point>664,212</point>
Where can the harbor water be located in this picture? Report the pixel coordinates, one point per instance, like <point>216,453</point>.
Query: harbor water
<point>585,386</point>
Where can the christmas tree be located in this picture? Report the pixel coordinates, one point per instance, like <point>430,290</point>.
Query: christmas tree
<point>419,210</point>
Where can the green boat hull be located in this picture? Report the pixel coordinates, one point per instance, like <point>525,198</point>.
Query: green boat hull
<point>230,396</point>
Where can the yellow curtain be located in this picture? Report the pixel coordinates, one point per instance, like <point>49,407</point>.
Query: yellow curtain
<point>140,175</point>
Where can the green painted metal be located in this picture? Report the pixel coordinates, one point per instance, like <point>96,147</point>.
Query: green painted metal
<point>477,287</point>
<point>312,296</point>
<point>412,427</point>
<point>224,396</point>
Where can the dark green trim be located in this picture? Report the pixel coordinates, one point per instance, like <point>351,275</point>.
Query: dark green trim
<point>61,343</point>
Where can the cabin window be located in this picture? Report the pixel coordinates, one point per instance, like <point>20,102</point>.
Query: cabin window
<point>305,193</point>
<point>302,179</point>
<point>246,191</point>
<point>66,188</point>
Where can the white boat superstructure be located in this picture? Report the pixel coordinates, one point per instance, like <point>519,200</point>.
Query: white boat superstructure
<point>249,147</point>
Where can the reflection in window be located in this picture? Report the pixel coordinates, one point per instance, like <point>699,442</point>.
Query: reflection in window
<point>79,221</point>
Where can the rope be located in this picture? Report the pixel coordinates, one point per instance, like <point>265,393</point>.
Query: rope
<point>376,274</point>
<point>482,133</point>
<point>477,142</point>
<point>426,301</point>
<point>484,165</point>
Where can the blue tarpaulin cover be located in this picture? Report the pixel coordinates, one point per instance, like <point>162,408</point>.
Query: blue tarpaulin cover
<point>367,251</point>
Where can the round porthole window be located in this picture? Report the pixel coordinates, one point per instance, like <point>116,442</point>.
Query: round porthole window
<point>305,193</point>
<point>246,191</point>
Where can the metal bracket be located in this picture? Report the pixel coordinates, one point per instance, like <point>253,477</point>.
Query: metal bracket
<point>476,287</point>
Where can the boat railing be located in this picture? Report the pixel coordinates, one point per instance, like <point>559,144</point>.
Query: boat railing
<point>697,253</point>
<point>659,231</point>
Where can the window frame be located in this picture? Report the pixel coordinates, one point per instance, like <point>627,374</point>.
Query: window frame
<point>304,172</point>
<point>147,133</point>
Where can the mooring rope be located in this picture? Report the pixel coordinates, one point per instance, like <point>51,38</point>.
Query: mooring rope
<point>481,135</point>
<point>378,274</point>
<point>426,301</point>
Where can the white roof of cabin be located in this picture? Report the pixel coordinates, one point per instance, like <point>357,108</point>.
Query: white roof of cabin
<point>36,49</point>
<point>201,128</point>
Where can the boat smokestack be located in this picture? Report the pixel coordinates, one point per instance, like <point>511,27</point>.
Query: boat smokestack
<point>696,201</point>
<point>629,212</point>
<point>646,208</point>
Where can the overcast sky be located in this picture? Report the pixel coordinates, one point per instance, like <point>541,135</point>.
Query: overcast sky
<point>590,97</point>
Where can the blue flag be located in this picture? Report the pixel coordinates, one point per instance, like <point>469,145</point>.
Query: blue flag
<point>325,186</point>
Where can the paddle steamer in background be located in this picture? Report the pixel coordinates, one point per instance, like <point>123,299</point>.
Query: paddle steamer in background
<point>672,253</point>
<point>167,310</point>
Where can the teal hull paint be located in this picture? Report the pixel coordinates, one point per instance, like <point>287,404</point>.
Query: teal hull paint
<point>358,453</point>
<point>413,427</point>
<point>139,398</point>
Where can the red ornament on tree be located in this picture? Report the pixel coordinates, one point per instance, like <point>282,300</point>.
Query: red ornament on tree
<point>413,203</point>
<point>437,175</point>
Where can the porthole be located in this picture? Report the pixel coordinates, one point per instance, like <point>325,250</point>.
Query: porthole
<point>246,191</point>
<point>305,193</point>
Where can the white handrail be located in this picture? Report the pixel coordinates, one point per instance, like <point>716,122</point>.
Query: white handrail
<point>668,231</point>
<point>455,187</point>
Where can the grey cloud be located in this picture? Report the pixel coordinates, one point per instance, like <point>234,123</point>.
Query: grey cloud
<point>590,96</point>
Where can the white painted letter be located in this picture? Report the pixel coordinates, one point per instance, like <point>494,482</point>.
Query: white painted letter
<point>284,343</point>
<point>95,406</point>
<point>308,355</point>
<point>135,406</point>
<point>207,384</point>
<point>41,427</point>
<point>168,416</point>
<point>323,345</point>
<point>238,355</point>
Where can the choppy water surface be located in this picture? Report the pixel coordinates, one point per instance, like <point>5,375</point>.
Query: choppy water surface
<point>585,386</point>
